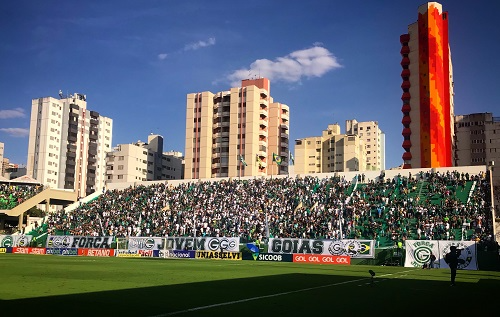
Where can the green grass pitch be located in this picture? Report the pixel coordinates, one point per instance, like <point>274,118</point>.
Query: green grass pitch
<point>32,285</point>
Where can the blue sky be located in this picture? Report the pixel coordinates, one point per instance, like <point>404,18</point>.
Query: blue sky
<point>137,60</point>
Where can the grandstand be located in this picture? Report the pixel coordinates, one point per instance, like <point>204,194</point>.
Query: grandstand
<point>392,206</point>
<point>19,195</point>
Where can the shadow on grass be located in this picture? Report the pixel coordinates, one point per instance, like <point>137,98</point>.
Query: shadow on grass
<point>276,295</point>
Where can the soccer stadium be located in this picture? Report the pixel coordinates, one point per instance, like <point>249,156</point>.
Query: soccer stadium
<point>209,247</point>
<point>238,225</point>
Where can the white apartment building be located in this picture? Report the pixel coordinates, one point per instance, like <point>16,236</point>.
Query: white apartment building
<point>330,152</point>
<point>142,161</point>
<point>68,144</point>
<point>374,140</point>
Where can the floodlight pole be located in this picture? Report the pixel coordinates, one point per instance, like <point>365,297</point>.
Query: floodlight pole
<point>492,198</point>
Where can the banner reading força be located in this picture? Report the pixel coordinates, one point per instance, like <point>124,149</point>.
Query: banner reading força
<point>351,248</point>
<point>88,242</point>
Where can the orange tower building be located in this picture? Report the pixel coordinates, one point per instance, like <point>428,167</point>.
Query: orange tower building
<point>427,90</point>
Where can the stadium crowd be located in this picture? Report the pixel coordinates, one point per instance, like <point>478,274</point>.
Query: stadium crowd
<point>12,195</point>
<point>430,205</point>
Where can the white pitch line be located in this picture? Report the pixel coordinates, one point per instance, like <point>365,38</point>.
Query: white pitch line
<point>265,296</point>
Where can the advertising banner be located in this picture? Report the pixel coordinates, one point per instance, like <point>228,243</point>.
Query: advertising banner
<point>28,250</point>
<point>322,259</point>
<point>5,250</point>
<point>218,255</point>
<point>62,251</point>
<point>15,240</point>
<point>351,248</point>
<point>87,242</point>
<point>96,252</point>
<point>174,254</point>
<point>127,253</point>
<point>145,243</point>
<point>203,243</point>
<point>269,257</point>
<point>418,253</point>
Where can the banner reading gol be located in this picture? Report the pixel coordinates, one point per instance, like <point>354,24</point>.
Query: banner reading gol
<point>322,259</point>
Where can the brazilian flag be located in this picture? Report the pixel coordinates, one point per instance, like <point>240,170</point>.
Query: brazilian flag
<point>277,159</point>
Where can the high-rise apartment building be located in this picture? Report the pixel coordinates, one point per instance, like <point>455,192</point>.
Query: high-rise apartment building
<point>142,161</point>
<point>235,133</point>
<point>68,144</point>
<point>427,90</point>
<point>477,139</point>
<point>374,140</point>
<point>330,152</point>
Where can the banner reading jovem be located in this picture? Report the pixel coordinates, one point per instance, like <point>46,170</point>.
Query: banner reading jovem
<point>352,248</point>
<point>184,243</point>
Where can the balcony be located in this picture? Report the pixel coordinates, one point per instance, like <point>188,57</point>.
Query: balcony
<point>263,123</point>
<point>263,112</point>
<point>264,102</point>
<point>406,145</point>
<point>284,116</point>
<point>405,50</point>
<point>264,92</point>
<point>404,38</point>
<point>285,107</point>
<point>284,135</point>
<point>405,109</point>
<point>263,132</point>
<point>405,61</point>
<point>262,153</point>
<point>406,120</point>
<point>284,126</point>
<point>285,145</point>
<point>215,165</point>
<point>407,156</point>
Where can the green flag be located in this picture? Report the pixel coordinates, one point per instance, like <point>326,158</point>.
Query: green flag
<point>242,160</point>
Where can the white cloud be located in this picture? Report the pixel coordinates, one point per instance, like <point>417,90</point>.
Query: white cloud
<point>199,44</point>
<point>162,56</point>
<point>16,132</point>
<point>12,113</point>
<point>312,62</point>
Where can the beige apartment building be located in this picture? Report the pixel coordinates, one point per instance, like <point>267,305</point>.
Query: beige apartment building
<point>141,161</point>
<point>68,144</point>
<point>330,152</point>
<point>477,139</point>
<point>374,140</point>
<point>235,133</point>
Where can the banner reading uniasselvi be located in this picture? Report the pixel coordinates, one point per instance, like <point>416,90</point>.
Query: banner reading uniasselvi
<point>352,248</point>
